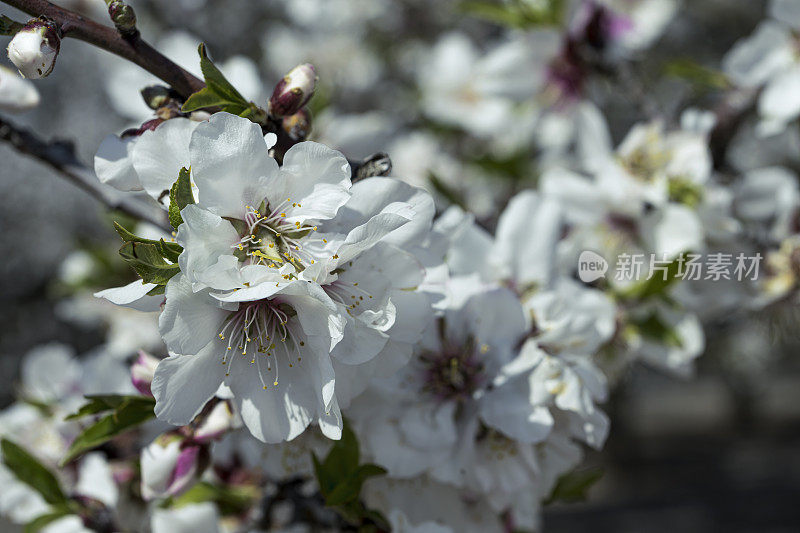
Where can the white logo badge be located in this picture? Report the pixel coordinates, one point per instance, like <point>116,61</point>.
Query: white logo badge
<point>591,266</point>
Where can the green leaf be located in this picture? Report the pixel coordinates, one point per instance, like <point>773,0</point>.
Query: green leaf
<point>180,195</point>
<point>98,403</point>
<point>33,473</point>
<point>340,463</point>
<point>701,77</point>
<point>168,250</point>
<point>231,500</point>
<point>655,329</point>
<point>132,412</point>
<point>220,94</point>
<point>349,489</point>
<point>148,262</point>
<point>218,91</point>
<point>517,13</point>
<point>341,478</point>
<point>40,522</point>
<point>658,284</point>
<point>216,81</point>
<point>202,99</point>
<point>574,486</point>
<point>157,290</point>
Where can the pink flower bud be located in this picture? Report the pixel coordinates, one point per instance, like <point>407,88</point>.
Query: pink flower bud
<point>170,465</point>
<point>293,91</point>
<point>34,48</point>
<point>142,372</point>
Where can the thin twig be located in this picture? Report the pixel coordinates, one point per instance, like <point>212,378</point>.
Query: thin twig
<point>60,156</point>
<point>132,47</point>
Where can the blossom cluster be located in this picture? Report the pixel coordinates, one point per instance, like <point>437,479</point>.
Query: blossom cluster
<point>419,347</point>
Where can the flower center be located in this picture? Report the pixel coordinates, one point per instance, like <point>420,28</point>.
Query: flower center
<point>270,239</point>
<point>264,330</point>
<point>456,372</point>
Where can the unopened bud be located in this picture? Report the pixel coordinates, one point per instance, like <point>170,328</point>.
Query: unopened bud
<point>142,372</point>
<point>16,94</point>
<point>122,16</point>
<point>293,91</point>
<point>171,464</point>
<point>155,96</point>
<point>35,47</point>
<point>297,126</point>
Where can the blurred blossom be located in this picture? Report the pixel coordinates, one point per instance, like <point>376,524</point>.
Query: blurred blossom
<point>16,94</point>
<point>34,48</point>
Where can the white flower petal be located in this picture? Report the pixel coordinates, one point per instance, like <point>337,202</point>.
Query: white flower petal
<point>159,155</point>
<point>114,166</point>
<point>231,165</point>
<point>527,233</point>
<point>133,295</point>
<point>189,320</point>
<point>184,383</point>
<point>315,177</point>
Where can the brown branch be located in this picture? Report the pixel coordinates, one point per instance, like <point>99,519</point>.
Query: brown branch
<point>60,156</point>
<point>132,48</point>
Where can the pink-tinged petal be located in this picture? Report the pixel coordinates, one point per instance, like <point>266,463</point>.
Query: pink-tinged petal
<point>185,471</point>
<point>142,372</point>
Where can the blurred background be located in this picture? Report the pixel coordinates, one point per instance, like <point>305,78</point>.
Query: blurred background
<point>719,451</point>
